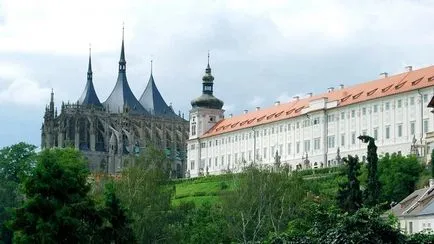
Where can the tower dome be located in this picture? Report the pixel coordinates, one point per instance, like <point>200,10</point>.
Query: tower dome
<point>207,99</point>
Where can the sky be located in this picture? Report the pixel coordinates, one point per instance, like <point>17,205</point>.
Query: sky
<point>261,51</point>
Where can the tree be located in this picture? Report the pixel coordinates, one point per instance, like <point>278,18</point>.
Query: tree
<point>398,176</point>
<point>432,164</point>
<point>118,226</point>
<point>372,192</point>
<point>262,202</point>
<point>349,195</point>
<point>57,208</point>
<point>16,162</point>
<point>146,191</point>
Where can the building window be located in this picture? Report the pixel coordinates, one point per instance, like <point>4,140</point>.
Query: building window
<point>193,146</point>
<point>353,113</point>
<point>265,132</point>
<point>306,123</point>
<point>193,129</point>
<point>243,156</point>
<point>364,132</point>
<point>331,118</point>
<point>289,127</point>
<point>410,227</point>
<point>342,139</point>
<point>376,133</point>
<point>257,156</point>
<point>399,130</point>
<point>387,132</point>
<point>280,149</point>
<point>353,138</point>
<point>211,118</point>
<point>363,111</point>
<point>272,130</point>
<point>265,152</point>
<point>298,125</point>
<point>425,126</point>
<point>387,106</point>
<point>375,108</point>
<point>215,161</point>
<point>317,143</point>
<point>297,147</point>
<point>342,115</point>
<point>399,103</point>
<point>289,149</point>
<point>192,164</point>
<point>281,128</point>
<point>209,162</point>
<point>411,100</point>
<point>412,127</point>
<point>250,155</point>
<point>223,160</point>
<point>236,157</point>
<point>316,121</point>
<point>425,98</point>
<point>229,159</point>
<point>307,145</point>
<point>273,151</point>
<point>331,141</point>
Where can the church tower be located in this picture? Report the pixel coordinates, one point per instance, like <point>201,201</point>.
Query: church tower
<point>206,110</point>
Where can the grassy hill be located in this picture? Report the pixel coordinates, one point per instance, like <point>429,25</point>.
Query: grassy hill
<point>210,188</point>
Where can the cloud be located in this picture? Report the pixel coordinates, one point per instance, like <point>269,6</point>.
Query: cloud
<point>24,92</point>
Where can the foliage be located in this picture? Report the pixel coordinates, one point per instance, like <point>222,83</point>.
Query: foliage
<point>57,208</point>
<point>372,192</point>
<point>398,176</point>
<point>424,237</point>
<point>263,202</point>
<point>16,163</point>
<point>432,164</point>
<point>118,226</point>
<point>145,190</point>
<point>349,195</point>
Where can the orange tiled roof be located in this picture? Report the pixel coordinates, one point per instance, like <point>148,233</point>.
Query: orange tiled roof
<point>391,85</point>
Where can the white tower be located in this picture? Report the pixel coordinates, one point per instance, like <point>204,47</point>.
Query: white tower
<point>205,113</point>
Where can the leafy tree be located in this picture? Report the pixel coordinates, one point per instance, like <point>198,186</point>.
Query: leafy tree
<point>145,190</point>
<point>398,176</point>
<point>424,237</point>
<point>372,192</point>
<point>118,227</point>
<point>16,162</point>
<point>262,202</point>
<point>57,208</point>
<point>349,195</point>
<point>432,164</point>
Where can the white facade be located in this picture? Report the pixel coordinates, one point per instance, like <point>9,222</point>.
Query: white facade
<point>319,132</point>
<point>415,224</point>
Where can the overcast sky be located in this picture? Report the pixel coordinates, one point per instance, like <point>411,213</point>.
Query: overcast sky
<point>261,51</point>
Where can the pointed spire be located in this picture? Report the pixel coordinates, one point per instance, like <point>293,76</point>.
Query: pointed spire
<point>151,67</point>
<point>122,62</point>
<point>208,68</point>
<point>89,69</point>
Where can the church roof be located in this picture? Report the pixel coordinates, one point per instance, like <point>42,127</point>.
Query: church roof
<point>153,102</point>
<point>122,97</point>
<point>89,97</point>
<point>390,85</point>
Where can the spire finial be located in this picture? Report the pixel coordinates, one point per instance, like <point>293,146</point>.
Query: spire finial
<point>151,66</point>
<point>123,30</point>
<point>89,68</point>
<point>208,58</point>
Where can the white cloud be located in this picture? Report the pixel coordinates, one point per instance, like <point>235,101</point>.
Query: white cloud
<point>256,101</point>
<point>24,92</point>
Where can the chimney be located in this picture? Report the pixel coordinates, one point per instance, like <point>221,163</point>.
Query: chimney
<point>245,111</point>
<point>276,103</point>
<point>431,183</point>
<point>257,108</point>
<point>230,115</point>
<point>384,75</point>
<point>309,94</point>
<point>409,68</point>
<point>341,86</point>
<point>296,98</point>
<point>330,89</point>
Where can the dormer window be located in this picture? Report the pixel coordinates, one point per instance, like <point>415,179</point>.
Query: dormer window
<point>207,88</point>
<point>211,118</point>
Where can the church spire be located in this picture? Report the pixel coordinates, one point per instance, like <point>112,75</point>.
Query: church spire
<point>89,69</point>
<point>122,62</point>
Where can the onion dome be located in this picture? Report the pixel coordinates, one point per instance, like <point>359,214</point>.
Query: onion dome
<point>207,99</point>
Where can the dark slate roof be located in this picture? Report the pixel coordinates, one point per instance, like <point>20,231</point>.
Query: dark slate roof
<point>89,97</point>
<point>153,102</point>
<point>122,97</point>
<point>420,202</point>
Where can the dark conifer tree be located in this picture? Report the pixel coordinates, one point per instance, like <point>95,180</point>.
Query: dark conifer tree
<point>349,194</point>
<point>372,192</point>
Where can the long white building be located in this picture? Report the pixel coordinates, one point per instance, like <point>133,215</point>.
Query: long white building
<point>314,131</point>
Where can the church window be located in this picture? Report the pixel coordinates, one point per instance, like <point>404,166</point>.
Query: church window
<point>193,129</point>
